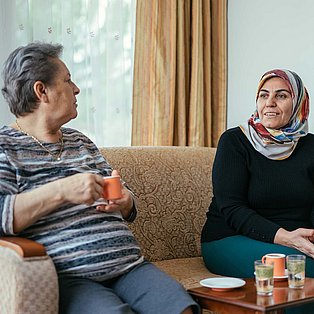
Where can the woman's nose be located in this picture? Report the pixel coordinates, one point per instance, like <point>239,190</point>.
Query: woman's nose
<point>76,89</point>
<point>270,102</point>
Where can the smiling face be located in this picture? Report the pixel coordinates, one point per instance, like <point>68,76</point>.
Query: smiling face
<point>274,103</point>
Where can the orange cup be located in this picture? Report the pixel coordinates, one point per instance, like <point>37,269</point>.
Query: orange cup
<point>112,188</point>
<point>279,263</point>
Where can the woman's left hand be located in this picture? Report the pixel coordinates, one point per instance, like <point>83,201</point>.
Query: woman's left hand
<point>123,204</point>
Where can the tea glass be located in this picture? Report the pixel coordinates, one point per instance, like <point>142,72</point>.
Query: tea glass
<point>296,270</point>
<point>264,277</point>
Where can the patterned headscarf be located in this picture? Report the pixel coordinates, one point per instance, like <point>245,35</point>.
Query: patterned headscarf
<point>279,144</point>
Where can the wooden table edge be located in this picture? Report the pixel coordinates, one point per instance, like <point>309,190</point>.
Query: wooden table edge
<point>216,296</point>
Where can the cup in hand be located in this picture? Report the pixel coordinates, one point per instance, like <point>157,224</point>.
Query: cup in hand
<point>296,270</point>
<point>112,188</point>
<point>279,263</point>
<point>264,277</point>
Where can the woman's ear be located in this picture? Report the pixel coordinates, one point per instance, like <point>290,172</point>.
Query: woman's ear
<point>40,91</point>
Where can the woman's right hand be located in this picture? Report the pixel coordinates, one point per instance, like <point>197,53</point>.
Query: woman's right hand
<point>301,239</point>
<point>82,188</point>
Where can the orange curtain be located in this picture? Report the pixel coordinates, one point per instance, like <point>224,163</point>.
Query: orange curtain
<point>179,88</point>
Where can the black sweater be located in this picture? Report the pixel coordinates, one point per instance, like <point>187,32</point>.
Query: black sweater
<point>255,196</point>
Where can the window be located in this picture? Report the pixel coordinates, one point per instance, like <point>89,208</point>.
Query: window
<point>98,38</point>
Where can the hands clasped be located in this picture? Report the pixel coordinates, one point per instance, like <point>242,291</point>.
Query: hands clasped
<point>301,239</point>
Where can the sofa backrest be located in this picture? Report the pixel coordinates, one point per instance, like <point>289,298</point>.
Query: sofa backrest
<point>173,189</point>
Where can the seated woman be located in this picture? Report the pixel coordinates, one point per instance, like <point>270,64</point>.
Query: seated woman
<point>263,183</point>
<point>51,178</point>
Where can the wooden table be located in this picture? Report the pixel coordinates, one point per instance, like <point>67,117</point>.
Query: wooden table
<point>245,300</point>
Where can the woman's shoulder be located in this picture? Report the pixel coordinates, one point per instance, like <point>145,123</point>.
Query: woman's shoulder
<point>71,131</point>
<point>7,130</point>
<point>75,135</point>
<point>7,133</point>
<point>307,141</point>
<point>232,135</point>
<point>75,139</point>
<point>309,136</point>
<point>235,131</point>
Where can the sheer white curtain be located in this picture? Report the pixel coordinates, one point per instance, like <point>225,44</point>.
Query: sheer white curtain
<point>98,37</point>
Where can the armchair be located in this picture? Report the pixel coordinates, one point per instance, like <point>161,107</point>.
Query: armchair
<point>28,278</point>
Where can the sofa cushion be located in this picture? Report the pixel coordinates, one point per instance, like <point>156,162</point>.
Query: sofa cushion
<point>189,271</point>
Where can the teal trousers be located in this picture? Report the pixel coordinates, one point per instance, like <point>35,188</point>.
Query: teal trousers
<point>234,257</point>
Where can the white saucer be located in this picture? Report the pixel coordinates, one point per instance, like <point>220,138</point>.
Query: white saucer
<point>222,283</point>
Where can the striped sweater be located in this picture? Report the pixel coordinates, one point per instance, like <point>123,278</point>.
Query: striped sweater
<point>81,241</point>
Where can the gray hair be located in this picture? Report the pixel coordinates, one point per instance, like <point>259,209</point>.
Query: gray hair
<point>24,66</point>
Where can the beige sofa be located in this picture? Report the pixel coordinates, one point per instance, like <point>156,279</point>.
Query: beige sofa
<point>173,189</point>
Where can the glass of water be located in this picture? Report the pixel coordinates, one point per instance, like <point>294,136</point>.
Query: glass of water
<point>296,270</point>
<point>264,277</point>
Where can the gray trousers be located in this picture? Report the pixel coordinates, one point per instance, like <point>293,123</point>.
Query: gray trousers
<point>145,289</point>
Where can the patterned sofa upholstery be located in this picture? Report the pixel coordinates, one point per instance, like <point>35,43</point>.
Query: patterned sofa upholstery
<point>173,189</point>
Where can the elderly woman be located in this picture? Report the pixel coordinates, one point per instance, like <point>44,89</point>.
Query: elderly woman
<point>51,179</point>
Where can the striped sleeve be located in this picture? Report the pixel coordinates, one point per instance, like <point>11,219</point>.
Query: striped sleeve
<point>8,191</point>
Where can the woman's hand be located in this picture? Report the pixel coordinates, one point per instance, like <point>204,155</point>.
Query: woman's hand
<point>301,239</point>
<point>123,204</point>
<point>82,188</point>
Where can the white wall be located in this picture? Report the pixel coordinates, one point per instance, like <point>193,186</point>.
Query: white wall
<point>263,35</point>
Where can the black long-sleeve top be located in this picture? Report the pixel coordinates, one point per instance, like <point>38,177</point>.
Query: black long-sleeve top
<point>255,196</point>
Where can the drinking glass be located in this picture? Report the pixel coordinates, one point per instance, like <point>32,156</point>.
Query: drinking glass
<point>264,277</point>
<point>296,270</point>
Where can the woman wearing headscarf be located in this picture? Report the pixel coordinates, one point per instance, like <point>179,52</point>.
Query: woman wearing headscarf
<point>263,183</point>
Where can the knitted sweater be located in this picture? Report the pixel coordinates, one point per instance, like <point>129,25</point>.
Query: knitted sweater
<point>81,241</point>
<point>255,196</point>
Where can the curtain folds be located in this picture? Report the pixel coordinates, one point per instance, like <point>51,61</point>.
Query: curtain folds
<point>179,87</point>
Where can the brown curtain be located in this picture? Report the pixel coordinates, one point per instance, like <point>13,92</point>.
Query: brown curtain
<point>179,89</point>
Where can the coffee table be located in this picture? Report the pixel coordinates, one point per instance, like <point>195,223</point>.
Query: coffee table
<point>245,300</point>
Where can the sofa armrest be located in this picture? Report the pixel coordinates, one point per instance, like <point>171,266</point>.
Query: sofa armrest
<point>29,281</point>
<point>23,247</point>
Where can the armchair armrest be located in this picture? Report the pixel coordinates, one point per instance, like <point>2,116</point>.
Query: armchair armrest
<point>29,281</point>
<point>24,247</point>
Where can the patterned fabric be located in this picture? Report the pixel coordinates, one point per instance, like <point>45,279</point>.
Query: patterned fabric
<point>179,267</point>
<point>173,188</point>
<point>28,285</point>
<point>279,144</point>
<point>81,241</point>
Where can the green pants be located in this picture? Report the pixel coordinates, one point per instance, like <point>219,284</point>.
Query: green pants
<point>234,257</point>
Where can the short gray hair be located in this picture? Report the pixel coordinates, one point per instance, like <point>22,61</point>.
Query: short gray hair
<point>24,66</point>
